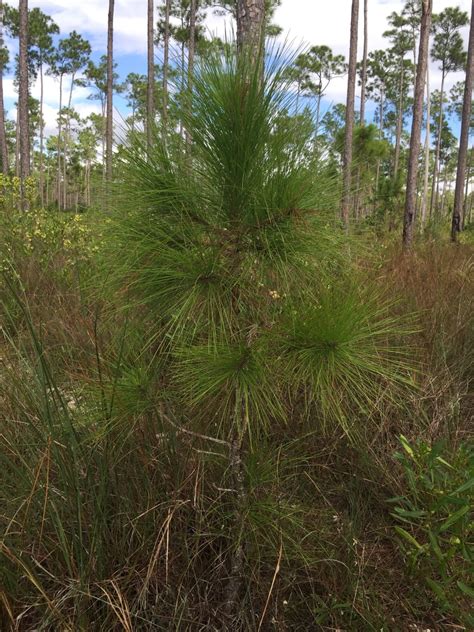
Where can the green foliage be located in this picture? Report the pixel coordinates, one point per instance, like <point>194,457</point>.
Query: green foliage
<point>436,521</point>
<point>44,235</point>
<point>231,247</point>
<point>448,46</point>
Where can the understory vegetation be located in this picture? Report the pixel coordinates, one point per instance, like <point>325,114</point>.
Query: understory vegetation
<point>221,411</point>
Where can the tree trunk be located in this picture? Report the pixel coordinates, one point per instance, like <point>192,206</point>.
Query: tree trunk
<point>59,140</point>
<point>3,134</point>
<point>166,53</point>
<point>435,183</point>
<point>23,100</point>
<point>443,192</point>
<point>150,96</point>
<point>349,131</point>
<point>413,159</point>
<point>398,137</point>
<point>67,136</point>
<point>363,81</point>
<point>41,130</point>
<point>456,223</point>
<point>110,78</point>
<point>318,114</point>
<point>250,24</point>
<point>234,584</point>
<point>47,185</point>
<point>191,52</point>
<point>424,200</point>
<point>466,190</point>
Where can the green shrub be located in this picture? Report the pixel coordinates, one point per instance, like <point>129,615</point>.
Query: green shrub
<point>436,516</point>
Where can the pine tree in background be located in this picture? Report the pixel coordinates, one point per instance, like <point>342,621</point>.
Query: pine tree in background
<point>150,104</point>
<point>363,80</point>
<point>466,123</point>
<point>448,50</point>
<point>23,117</point>
<point>350,114</point>
<point>413,159</point>
<point>110,92</point>
<point>3,63</point>
<point>166,48</point>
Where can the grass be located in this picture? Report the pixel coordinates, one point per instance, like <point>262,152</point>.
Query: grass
<point>113,519</point>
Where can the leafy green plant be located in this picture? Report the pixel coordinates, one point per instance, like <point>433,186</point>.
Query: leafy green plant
<point>436,516</point>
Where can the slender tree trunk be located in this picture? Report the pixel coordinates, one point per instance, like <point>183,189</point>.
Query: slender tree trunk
<point>349,131</point>
<point>17,143</point>
<point>234,584</point>
<point>47,186</point>
<point>466,190</point>
<point>166,54</point>
<point>456,223</point>
<point>435,183</point>
<point>363,81</point>
<point>443,192</point>
<point>426,178</point>
<point>250,24</point>
<point>398,137</point>
<point>415,140</point>
<point>318,114</point>
<point>59,140</point>
<point>67,135</point>
<point>3,134</point>
<point>65,152</point>
<point>67,138</point>
<point>183,81</point>
<point>41,130</point>
<point>110,78</point>
<point>150,96</point>
<point>191,52</point>
<point>23,100</point>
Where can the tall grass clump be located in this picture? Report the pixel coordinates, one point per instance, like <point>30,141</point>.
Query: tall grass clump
<point>228,253</point>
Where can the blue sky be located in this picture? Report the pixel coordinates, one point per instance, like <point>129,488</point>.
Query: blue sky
<point>305,22</point>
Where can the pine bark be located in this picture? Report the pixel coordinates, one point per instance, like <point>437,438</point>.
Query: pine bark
<point>435,183</point>
<point>3,134</point>
<point>58,168</point>
<point>363,81</point>
<point>415,140</point>
<point>456,223</point>
<point>398,137</point>
<point>23,93</point>
<point>41,130</point>
<point>110,71</point>
<point>250,24</point>
<point>426,179</point>
<point>349,131</point>
<point>191,54</point>
<point>166,53</point>
<point>150,115</point>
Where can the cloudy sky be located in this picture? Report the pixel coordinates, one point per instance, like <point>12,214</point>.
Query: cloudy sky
<point>305,22</point>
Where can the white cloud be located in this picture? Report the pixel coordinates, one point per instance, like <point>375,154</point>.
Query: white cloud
<point>314,22</point>
<point>90,17</point>
<point>305,22</point>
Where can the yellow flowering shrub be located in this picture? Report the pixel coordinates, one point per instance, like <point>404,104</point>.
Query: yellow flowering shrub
<point>55,240</point>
